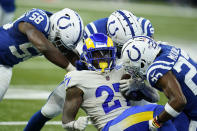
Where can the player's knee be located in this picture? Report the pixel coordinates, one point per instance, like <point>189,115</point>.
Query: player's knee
<point>51,111</point>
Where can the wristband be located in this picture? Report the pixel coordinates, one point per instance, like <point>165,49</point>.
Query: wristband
<point>156,123</point>
<point>171,111</point>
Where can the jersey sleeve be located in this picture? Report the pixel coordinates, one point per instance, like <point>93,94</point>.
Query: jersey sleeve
<point>159,68</point>
<point>69,80</point>
<point>38,18</point>
<point>147,27</point>
<point>74,78</point>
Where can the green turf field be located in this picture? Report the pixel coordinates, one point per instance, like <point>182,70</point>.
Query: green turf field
<point>170,23</point>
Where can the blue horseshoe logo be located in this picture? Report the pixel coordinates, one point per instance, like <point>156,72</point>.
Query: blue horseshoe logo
<point>138,51</point>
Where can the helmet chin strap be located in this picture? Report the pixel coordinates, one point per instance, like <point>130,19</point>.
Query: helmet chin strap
<point>103,65</point>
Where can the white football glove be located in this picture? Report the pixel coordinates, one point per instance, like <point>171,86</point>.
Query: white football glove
<point>124,84</point>
<point>80,124</point>
<point>128,85</point>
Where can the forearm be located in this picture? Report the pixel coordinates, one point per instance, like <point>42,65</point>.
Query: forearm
<point>72,56</point>
<point>172,109</point>
<point>47,48</point>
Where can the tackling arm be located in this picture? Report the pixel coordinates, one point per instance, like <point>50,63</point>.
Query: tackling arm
<point>43,45</point>
<point>134,89</point>
<point>173,92</point>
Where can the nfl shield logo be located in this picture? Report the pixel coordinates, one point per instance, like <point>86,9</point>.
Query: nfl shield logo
<point>107,78</point>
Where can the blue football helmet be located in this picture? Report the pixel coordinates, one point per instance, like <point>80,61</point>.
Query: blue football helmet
<point>99,52</point>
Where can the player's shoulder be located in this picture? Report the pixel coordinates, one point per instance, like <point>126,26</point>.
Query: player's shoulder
<point>76,77</point>
<point>97,26</point>
<point>163,63</point>
<point>36,10</point>
<point>38,18</point>
<point>77,73</point>
<point>147,26</point>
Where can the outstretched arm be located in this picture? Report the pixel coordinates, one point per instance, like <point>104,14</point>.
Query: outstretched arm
<point>176,98</point>
<point>38,39</point>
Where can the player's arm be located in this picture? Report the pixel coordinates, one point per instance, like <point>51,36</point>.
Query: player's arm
<point>38,39</point>
<point>72,56</point>
<point>176,98</point>
<point>149,94</point>
<point>73,101</point>
<point>136,90</point>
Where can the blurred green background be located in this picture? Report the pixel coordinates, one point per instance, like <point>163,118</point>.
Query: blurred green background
<point>175,24</point>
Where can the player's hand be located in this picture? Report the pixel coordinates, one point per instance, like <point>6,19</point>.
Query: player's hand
<point>130,85</point>
<point>81,123</point>
<point>124,84</point>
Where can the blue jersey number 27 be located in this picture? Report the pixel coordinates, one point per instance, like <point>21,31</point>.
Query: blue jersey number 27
<point>110,92</point>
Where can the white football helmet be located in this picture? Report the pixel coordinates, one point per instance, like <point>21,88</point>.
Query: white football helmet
<point>122,25</point>
<point>138,54</point>
<point>66,29</point>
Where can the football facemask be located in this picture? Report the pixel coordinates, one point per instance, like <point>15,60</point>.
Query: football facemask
<point>99,52</point>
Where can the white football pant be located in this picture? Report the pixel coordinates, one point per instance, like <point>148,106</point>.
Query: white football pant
<point>55,102</point>
<point>193,125</point>
<point>5,77</point>
<point>5,17</point>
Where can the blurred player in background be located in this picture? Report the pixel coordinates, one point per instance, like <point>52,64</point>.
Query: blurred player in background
<point>7,9</point>
<point>168,69</point>
<point>37,33</point>
<point>118,22</point>
<point>96,91</point>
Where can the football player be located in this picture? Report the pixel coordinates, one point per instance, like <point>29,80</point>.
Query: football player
<point>121,25</point>
<point>35,33</point>
<point>96,91</point>
<point>7,8</point>
<point>120,20</point>
<point>168,69</point>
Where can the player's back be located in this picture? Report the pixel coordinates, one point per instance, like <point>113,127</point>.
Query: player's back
<point>98,26</point>
<point>185,70</point>
<point>102,100</point>
<point>15,46</point>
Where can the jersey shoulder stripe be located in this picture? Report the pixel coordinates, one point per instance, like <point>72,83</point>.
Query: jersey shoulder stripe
<point>146,26</point>
<point>162,64</point>
<point>157,70</point>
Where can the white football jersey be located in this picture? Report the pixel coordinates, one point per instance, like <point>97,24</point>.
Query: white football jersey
<point>102,100</point>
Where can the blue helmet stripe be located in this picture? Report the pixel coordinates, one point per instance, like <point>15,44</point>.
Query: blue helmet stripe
<point>143,25</point>
<point>80,33</point>
<point>128,22</point>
